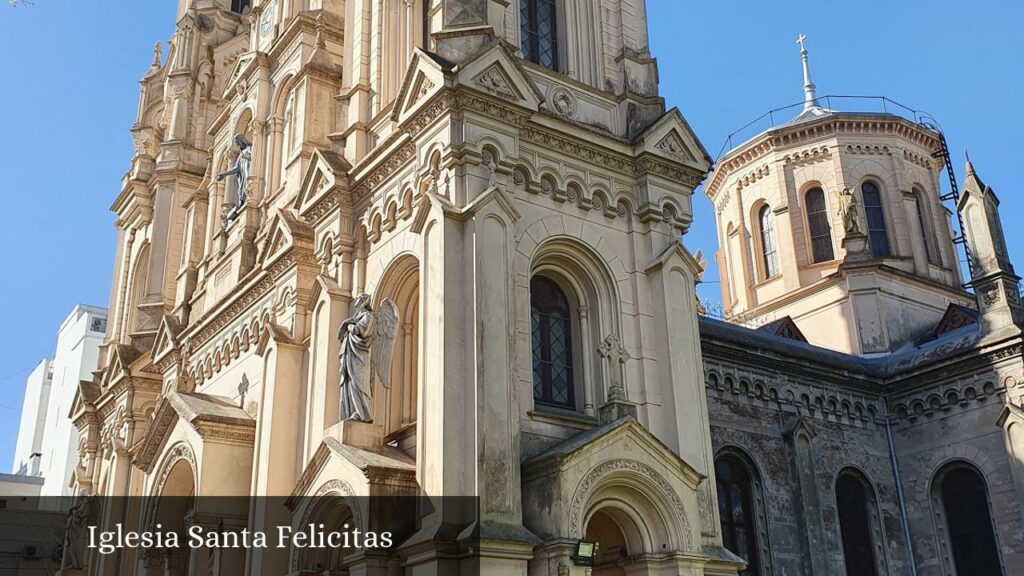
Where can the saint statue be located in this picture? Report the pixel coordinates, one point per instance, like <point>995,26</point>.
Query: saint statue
<point>848,211</point>
<point>241,169</point>
<point>79,516</point>
<point>367,339</point>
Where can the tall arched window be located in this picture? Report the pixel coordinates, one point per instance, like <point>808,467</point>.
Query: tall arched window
<point>538,21</point>
<point>819,226</point>
<point>922,221</point>
<point>736,510</point>
<point>964,499</point>
<point>769,248</point>
<point>854,502</point>
<point>878,238</point>
<point>553,380</point>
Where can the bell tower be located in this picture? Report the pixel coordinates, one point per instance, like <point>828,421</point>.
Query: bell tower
<point>992,275</point>
<point>834,221</point>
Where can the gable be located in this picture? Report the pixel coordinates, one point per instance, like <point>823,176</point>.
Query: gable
<point>425,77</point>
<point>287,231</point>
<point>956,316</point>
<point>327,172</point>
<point>499,74</point>
<point>671,138</point>
<point>786,328</point>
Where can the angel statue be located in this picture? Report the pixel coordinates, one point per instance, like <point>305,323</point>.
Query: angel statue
<point>848,211</point>
<point>243,164</point>
<point>367,339</point>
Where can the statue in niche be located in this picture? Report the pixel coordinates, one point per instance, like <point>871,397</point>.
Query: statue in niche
<point>241,169</point>
<point>81,514</point>
<point>367,340</point>
<point>848,211</point>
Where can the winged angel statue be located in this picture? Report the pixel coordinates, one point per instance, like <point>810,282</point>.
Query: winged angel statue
<point>367,339</point>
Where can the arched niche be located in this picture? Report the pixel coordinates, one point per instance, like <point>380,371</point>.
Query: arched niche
<point>398,404</point>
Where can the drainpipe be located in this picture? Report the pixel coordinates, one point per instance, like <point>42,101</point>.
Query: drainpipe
<point>899,495</point>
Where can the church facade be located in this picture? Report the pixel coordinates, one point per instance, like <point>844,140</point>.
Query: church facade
<point>504,179</point>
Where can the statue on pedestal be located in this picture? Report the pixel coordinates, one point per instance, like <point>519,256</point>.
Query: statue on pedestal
<point>367,340</point>
<point>848,211</point>
<point>241,170</point>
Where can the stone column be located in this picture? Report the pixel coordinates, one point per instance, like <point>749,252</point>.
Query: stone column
<point>276,462</point>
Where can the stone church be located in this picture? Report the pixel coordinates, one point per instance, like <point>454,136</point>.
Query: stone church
<point>505,177</point>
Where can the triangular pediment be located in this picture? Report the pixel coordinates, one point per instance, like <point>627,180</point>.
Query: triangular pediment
<point>119,362</point>
<point>786,328</point>
<point>499,74</point>
<point>327,173</point>
<point>424,77</point>
<point>166,340</point>
<point>671,138</point>
<point>624,432</point>
<point>675,251</point>
<point>956,316</point>
<point>287,231</point>
<point>211,418</point>
<point>355,468</point>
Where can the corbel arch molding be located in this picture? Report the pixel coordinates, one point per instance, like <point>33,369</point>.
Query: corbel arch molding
<point>643,494</point>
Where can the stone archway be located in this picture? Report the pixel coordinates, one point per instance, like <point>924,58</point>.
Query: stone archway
<point>333,508</point>
<point>173,503</point>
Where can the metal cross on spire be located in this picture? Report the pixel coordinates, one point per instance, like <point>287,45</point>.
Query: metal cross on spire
<point>810,94</point>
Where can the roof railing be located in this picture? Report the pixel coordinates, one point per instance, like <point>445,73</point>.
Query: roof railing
<point>832,102</point>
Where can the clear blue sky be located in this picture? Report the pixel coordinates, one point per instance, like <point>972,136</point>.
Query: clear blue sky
<point>68,88</point>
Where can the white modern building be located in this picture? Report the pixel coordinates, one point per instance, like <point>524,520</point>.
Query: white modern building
<point>47,444</point>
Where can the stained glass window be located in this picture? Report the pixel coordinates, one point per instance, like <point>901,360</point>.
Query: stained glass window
<point>552,344</point>
<point>736,511</point>
<point>820,228</point>
<point>539,31</point>
<point>877,236</point>
<point>769,248</point>
<point>855,525</point>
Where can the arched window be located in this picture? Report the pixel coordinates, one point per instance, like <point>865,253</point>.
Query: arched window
<point>964,497</point>
<point>553,381</point>
<point>736,510</point>
<point>769,249</point>
<point>878,238</point>
<point>922,221</point>
<point>538,20</point>
<point>854,502</point>
<point>819,226</point>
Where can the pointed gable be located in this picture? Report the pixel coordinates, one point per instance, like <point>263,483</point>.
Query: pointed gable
<point>287,231</point>
<point>498,73</point>
<point>786,328</point>
<point>671,138</point>
<point>956,316</point>
<point>425,76</point>
<point>327,173</point>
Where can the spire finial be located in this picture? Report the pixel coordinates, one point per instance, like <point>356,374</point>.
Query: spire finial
<point>810,95</point>
<point>969,169</point>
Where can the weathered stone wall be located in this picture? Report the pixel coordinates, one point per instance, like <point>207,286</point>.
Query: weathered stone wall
<point>943,407</point>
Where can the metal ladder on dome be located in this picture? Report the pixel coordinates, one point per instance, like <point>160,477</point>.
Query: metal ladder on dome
<point>953,195</point>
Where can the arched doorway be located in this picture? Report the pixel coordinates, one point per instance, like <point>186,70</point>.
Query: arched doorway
<point>174,504</point>
<point>614,532</point>
<point>334,514</point>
